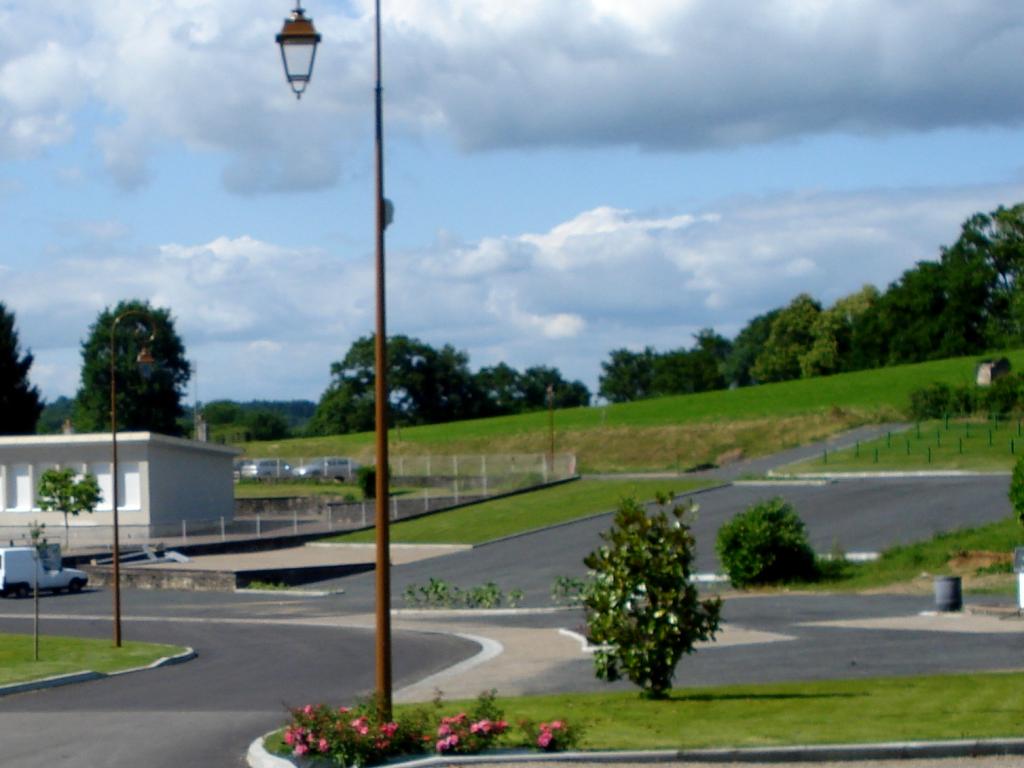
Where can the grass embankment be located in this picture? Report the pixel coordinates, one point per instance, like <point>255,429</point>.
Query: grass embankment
<point>981,556</point>
<point>669,432</point>
<point>503,517</point>
<point>974,706</point>
<point>255,489</point>
<point>64,655</point>
<point>979,445</point>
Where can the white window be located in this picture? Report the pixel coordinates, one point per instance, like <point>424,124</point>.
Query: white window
<point>101,471</point>
<point>19,488</point>
<point>129,491</point>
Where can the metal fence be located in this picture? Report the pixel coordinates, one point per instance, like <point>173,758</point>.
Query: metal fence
<point>427,484</point>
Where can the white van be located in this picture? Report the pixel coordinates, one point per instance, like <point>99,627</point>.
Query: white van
<point>18,569</point>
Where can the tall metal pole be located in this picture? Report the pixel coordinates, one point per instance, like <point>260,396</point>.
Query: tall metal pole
<point>383,564</point>
<point>113,463</point>
<point>113,482</point>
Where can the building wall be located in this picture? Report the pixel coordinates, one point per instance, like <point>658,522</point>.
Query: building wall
<point>190,481</point>
<point>161,479</point>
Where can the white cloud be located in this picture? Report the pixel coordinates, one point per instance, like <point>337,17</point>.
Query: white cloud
<point>264,320</point>
<point>660,74</point>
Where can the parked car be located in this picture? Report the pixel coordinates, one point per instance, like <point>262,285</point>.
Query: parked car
<point>19,567</point>
<point>328,466</point>
<point>265,468</point>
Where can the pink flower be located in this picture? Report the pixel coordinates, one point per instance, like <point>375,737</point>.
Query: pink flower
<point>388,729</point>
<point>361,725</point>
<point>444,729</point>
<point>557,725</point>
<point>300,749</point>
<point>323,746</point>
<point>545,738</point>
<point>308,709</point>
<point>289,737</point>
<point>344,710</point>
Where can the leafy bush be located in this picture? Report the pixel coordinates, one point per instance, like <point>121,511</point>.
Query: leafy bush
<point>1017,490</point>
<point>366,479</point>
<point>438,593</point>
<point>1005,395</point>
<point>766,544</point>
<point>359,737</point>
<point>640,602</point>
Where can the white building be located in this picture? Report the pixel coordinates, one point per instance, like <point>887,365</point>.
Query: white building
<point>161,480</point>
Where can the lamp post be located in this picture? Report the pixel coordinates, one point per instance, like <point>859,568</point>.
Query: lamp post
<point>145,362</point>
<point>298,41</point>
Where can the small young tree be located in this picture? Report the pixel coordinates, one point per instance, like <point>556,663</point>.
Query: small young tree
<point>640,602</point>
<point>61,491</point>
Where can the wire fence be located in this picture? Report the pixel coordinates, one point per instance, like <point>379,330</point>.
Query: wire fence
<point>428,484</point>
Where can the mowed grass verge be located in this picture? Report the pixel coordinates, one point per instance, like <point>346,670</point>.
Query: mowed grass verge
<point>64,655</point>
<point>871,710</point>
<point>494,519</point>
<point>977,445</point>
<point>981,556</point>
<point>670,432</point>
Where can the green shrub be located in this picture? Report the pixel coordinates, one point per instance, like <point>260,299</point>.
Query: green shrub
<point>939,399</point>
<point>1005,395</point>
<point>366,479</point>
<point>766,544</point>
<point>640,602</point>
<point>1017,490</point>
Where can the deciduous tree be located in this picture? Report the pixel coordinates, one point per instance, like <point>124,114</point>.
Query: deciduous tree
<point>150,403</point>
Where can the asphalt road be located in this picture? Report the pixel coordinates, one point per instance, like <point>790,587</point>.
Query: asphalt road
<point>856,515</point>
<point>203,713</point>
<point>259,654</point>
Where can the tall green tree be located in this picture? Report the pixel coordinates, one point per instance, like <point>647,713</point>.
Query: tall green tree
<point>627,375</point>
<point>20,403</point>
<point>739,364</point>
<point>831,349</point>
<point>791,337</point>
<point>150,402</point>
<point>426,386</point>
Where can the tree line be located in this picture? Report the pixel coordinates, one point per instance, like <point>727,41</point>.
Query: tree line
<point>968,301</point>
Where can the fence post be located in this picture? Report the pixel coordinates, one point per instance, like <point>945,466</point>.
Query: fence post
<point>295,521</point>
<point>483,471</point>
<point>184,531</point>
<point>259,528</point>
<point>362,506</point>
<point>330,518</point>
<point>394,507</point>
<point>223,536</point>
<point>455,476</point>
<point>544,468</point>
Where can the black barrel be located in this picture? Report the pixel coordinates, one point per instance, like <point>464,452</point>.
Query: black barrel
<point>948,593</point>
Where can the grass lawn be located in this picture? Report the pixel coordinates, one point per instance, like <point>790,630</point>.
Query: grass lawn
<point>974,706</point>
<point>978,445</point>
<point>503,517</point>
<point>981,556</point>
<point>669,432</point>
<point>248,489</point>
<point>63,655</point>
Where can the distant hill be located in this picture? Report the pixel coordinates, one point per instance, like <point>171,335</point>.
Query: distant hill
<point>669,433</point>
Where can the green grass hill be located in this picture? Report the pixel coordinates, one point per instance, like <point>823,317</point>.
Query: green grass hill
<point>668,433</point>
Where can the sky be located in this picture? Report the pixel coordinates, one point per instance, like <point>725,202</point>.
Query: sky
<point>569,176</point>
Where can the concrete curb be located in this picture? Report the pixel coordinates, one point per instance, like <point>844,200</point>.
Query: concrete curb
<point>258,757</point>
<point>885,475</point>
<point>85,676</point>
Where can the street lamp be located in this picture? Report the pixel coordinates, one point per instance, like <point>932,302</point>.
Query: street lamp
<point>298,41</point>
<point>298,45</point>
<point>145,362</point>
